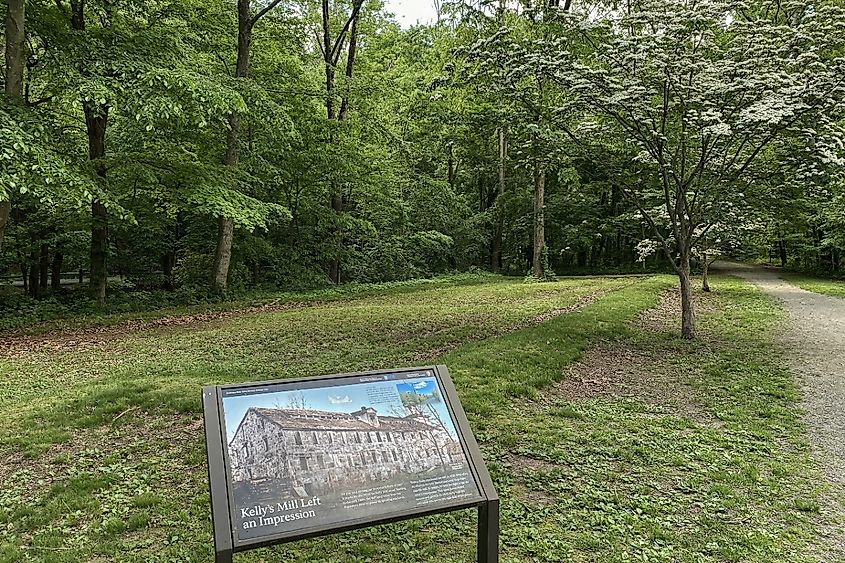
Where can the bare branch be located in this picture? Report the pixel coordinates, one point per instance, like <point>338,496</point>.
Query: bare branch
<point>341,38</point>
<point>224,63</point>
<point>263,12</point>
<point>38,102</point>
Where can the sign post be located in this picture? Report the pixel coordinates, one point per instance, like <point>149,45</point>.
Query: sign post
<point>295,459</point>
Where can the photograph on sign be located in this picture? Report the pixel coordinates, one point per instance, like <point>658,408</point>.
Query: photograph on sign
<point>325,452</point>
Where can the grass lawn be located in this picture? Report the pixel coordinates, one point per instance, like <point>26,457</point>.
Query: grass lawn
<point>75,309</point>
<point>102,454</point>
<point>825,286</point>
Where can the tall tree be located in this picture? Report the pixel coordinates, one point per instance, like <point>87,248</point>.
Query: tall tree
<point>496,251</point>
<point>226,223</point>
<point>333,49</point>
<point>691,95</point>
<point>96,111</point>
<point>15,61</point>
<point>504,60</point>
<point>15,48</point>
<point>538,172</point>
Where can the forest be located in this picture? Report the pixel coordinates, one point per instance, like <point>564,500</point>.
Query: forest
<point>620,224</point>
<point>207,147</point>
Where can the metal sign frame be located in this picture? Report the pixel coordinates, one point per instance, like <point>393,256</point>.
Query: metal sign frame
<point>226,543</point>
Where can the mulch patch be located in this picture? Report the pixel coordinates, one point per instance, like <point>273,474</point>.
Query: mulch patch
<point>613,370</point>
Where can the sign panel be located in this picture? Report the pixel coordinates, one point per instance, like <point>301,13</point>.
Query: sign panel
<point>307,457</point>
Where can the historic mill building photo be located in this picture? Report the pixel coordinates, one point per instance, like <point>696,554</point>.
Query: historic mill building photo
<point>311,452</point>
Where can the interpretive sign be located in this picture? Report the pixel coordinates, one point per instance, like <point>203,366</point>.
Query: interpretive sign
<point>300,458</point>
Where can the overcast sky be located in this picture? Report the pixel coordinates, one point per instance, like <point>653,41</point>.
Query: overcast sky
<point>409,12</point>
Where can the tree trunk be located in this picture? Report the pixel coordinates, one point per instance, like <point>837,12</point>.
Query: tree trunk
<point>451,172</point>
<point>77,14</point>
<point>331,55</point>
<point>99,251</point>
<point>337,207</point>
<point>782,252</point>
<point>244,39</point>
<point>44,266</point>
<point>168,260</point>
<point>34,286</point>
<point>15,43</point>
<point>705,278</point>
<point>496,249</point>
<point>96,121</point>
<point>226,225</point>
<point>539,222</point>
<point>24,275</point>
<point>687,312</point>
<point>334,270</point>
<point>496,253</point>
<point>15,61</point>
<point>223,255</point>
<point>350,69</point>
<point>335,198</point>
<point>56,270</point>
<point>329,63</point>
<point>5,210</point>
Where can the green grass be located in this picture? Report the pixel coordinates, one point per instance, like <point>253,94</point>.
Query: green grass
<point>601,479</point>
<point>74,309</point>
<point>826,286</point>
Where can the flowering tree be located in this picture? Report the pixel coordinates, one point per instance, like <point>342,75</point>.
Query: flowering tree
<point>507,67</point>
<point>734,231</point>
<point>692,95</point>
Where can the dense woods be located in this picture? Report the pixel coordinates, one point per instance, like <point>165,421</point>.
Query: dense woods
<point>213,146</point>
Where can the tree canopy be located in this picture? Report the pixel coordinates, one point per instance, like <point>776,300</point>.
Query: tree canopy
<point>218,145</point>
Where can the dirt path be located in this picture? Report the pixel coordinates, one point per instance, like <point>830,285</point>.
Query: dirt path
<point>82,339</point>
<point>815,337</point>
<point>14,346</point>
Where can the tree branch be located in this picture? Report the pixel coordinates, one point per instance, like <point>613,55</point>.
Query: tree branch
<point>338,44</point>
<point>631,195</point>
<point>38,102</point>
<point>224,63</point>
<point>263,12</point>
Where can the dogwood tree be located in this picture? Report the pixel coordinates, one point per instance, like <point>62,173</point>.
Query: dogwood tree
<point>691,95</point>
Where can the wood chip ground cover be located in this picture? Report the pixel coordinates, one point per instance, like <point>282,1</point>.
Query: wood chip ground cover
<point>105,461</point>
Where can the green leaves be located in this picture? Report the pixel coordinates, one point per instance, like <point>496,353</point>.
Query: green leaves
<point>173,99</point>
<point>29,165</point>
<point>217,200</point>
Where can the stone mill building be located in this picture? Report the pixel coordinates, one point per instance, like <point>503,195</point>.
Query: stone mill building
<point>309,452</point>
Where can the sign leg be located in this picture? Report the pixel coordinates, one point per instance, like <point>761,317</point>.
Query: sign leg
<point>223,557</point>
<point>488,532</point>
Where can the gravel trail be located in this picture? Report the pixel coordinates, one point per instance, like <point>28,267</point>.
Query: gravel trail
<point>815,340</point>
